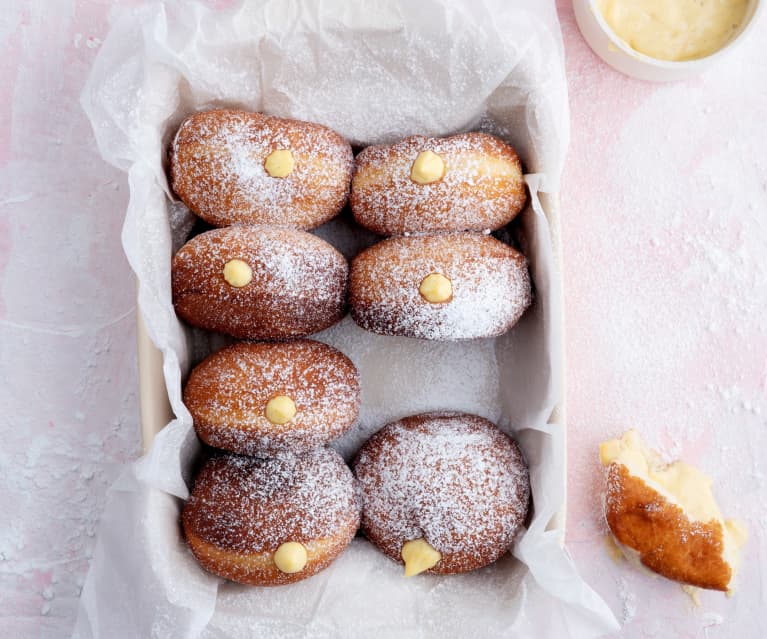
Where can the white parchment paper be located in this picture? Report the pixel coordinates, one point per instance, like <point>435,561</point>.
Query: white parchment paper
<point>375,72</point>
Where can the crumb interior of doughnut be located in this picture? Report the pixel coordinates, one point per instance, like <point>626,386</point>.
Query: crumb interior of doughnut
<point>252,505</point>
<point>459,487</point>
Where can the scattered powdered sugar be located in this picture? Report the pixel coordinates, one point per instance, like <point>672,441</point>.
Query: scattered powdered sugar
<point>628,601</point>
<point>217,168</point>
<point>451,478</point>
<point>482,188</point>
<point>253,505</point>
<point>490,282</point>
<point>298,286</point>
<point>228,392</point>
<point>711,619</point>
<point>667,291</point>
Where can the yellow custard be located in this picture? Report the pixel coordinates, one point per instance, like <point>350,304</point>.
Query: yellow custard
<point>674,29</point>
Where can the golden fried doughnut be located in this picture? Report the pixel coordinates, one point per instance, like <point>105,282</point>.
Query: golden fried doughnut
<point>271,521</point>
<point>441,287</point>
<point>234,167</point>
<point>267,397</point>
<point>665,516</point>
<point>466,182</point>
<point>259,282</point>
<point>443,492</point>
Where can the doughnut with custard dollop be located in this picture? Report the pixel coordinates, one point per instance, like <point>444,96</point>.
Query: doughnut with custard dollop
<point>487,289</point>
<point>246,513</point>
<point>465,182</point>
<point>231,392</point>
<point>259,282</point>
<point>223,168</point>
<point>451,482</point>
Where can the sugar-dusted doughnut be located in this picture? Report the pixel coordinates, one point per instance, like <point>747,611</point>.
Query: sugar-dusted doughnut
<point>466,182</point>
<point>259,282</point>
<point>664,516</point>
<point>441,287</point>
<point>233,167</point>
<point>271,521</point>
<point>442,492</point>
<point>264,398</point>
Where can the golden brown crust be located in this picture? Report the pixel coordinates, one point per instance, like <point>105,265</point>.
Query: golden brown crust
<point>298,287</point>
<point>217,169</point>
<point>483,186</point>
<point>667,541</point>
<point>242,509</point>
<point>490,286</point>
<point>228,392</point>
<point>258,569</point>
<point>452,479</point>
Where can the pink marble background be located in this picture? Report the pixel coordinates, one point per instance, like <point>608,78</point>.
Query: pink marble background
<point>665,231</point>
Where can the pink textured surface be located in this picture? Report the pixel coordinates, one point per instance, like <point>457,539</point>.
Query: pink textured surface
<point>663,200</point>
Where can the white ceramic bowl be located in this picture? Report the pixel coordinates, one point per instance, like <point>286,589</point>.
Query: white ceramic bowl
<point>620,56</point>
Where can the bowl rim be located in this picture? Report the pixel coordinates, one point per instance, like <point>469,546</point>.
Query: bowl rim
<point>677,65</point>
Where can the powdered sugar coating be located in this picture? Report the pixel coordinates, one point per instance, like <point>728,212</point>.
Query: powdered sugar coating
<point>483,187</point>
<point>453,479</point>
<point>248,505</point>
<point>228,392</point>
<point>490,283</point>
<point>217,169</point>
<point>298,286</point>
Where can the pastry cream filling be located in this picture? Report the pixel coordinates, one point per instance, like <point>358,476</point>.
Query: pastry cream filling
<point>436,288</point>
<point>674,29</point>
<point>427,168</point>
<point>238,273</point>
<point>290,557</point>
<point>680,483</point>
<point>279,163</point>
<point>419,555</point>
<point>280,409</point>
